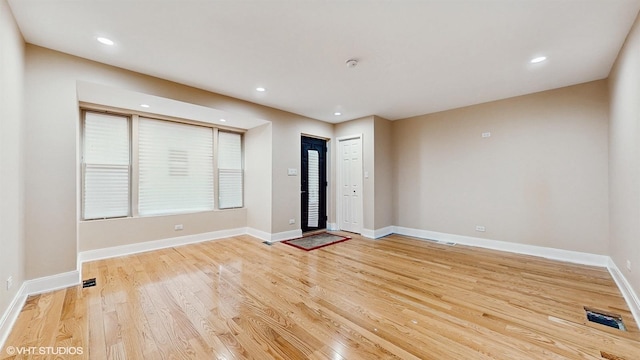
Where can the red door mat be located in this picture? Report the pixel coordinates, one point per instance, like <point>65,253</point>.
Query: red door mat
<point>316,241</point>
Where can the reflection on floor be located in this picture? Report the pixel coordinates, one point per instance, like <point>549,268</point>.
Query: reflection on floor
<point>362,299</point>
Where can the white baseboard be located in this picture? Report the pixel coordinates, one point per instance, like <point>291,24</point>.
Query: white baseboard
<point>368,233</point>
<point>383,232</point>
<point>52,283</point>
<point>262,235</point>
<point>286,235</point>
<point>129,249</point>
<point>33,287</point>
<point>123,250</point>
<point>372,234</point>
<point>377,233</point>
<point>545,252</point>
<point>281,236</point>
<point>625,288</point>
<point>10,316</point>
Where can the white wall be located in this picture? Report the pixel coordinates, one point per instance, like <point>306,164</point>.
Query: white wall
<point>12,178</point>
<point>540,179</point>
<point>624,159</point>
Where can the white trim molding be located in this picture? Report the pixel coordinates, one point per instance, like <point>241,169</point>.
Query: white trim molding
<point>383,232</point>
<point>52,283</point>
<point>545,252</point>
<point>368,233</point>
<point>333,227</point>
<point>625,288</point>
<point>262,235</point>
<point>123,250</point>
<point>281,236</point>
<point>129,249</point>
<point>377,233</point>
<point>10,316</point>
<point>286,235</point>
<point>33,287</point>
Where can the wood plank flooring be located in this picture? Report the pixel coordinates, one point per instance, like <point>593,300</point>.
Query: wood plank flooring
<point>394,298</point>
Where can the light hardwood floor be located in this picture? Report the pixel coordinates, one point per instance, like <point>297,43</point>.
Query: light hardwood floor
<point>394,298</point>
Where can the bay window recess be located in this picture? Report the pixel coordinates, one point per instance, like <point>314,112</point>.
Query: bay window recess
<point>173,164</point>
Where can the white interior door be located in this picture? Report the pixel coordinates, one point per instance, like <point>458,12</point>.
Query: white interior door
<point>350,195</point>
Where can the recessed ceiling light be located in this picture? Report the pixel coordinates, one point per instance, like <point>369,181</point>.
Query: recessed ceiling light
<point>223,120</point>
<point>337,113</point>
<point>144,105</point>
<point>104,40</point>
<point>261,89</point>
<point>538,59</point>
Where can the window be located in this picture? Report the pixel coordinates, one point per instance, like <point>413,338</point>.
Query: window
<point>105,166</point>
<point>229,170</point>
<point>176,167</point>
<point>172,165</point>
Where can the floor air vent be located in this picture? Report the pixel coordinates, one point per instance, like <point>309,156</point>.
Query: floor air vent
<point>605,318</point>
<point>89,283</point>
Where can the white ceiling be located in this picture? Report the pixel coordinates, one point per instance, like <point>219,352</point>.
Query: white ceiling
<point>415,57</point>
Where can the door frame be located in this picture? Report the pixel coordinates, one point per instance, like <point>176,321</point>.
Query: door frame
<point>324,216</point>
<point>338,155</point>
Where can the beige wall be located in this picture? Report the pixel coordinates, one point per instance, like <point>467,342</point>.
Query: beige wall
<point>258,177</point>
<point>287,138</point>
<point>12,178</point>
<point>52,235</point>
<point>540,179</point>
<point>624,159</point>
<point>100,234</point>
<point>383,171</point>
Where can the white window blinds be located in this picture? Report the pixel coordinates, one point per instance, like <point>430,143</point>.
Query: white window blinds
<point>229,170</point>
<point>313,174</point>
<point>176,168</point>
<point>105,166</point>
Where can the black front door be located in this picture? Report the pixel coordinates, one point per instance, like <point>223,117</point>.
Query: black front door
<point>314,184</point>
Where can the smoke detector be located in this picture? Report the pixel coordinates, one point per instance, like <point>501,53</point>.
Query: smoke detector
<point>351,63</point>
